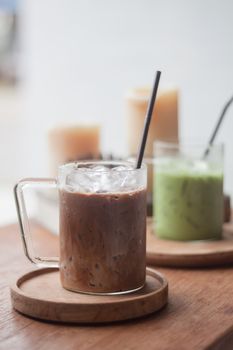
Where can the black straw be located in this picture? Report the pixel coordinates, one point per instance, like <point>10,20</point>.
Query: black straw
<point>219,122</point>
<point>148,120</point>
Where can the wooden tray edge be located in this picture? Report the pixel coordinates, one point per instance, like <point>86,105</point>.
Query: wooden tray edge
<point>75,313</point>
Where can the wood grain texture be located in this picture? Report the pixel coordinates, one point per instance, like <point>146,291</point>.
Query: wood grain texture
<point>199,314</point>
<point>169,253</point>
<point>39,294</point>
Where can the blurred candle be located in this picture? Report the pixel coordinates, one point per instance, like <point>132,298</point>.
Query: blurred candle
<point>164,124</point>
<point>71,143</point>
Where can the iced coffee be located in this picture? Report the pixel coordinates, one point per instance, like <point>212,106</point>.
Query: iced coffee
<point>102,227</point>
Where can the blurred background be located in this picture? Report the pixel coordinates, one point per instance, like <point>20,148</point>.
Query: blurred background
<point>72,62</point>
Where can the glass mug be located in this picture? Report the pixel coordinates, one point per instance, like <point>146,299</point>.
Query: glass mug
<point>188,191</point>
<point>102,214</point>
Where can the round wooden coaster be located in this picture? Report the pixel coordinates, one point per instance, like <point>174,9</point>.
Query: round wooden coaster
<point>189,254</point>
<point>39,294</point>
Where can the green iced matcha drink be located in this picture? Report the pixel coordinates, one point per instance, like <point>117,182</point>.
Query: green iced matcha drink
<point>188,201</point>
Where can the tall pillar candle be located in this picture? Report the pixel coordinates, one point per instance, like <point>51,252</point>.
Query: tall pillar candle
<point>71,143</point>
<point>164,122</point>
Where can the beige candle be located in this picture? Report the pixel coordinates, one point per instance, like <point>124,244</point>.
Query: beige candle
<point>71,143</point>
<point>164,122</point>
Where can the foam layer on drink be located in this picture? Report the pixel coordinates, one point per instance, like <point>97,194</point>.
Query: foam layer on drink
<point>188,167</point>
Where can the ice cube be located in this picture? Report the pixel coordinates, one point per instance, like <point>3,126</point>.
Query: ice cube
<point>123,180</point>
<point>123,168</point>
<point>99,168</point>
<point>101,179</point>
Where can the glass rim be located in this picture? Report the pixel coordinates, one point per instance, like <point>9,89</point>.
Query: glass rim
<point>74,166</point>
<point>186,144</point>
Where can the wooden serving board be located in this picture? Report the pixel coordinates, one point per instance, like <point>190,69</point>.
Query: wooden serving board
<point>189,254</point>
<point>39,294</point>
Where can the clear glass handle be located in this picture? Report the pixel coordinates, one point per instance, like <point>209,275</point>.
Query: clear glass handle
<point>24,222</point>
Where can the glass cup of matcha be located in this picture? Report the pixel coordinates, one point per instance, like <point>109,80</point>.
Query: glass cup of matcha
<point>188,191</point>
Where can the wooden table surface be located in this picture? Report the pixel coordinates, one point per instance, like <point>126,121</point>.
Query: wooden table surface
<point>199,314</point>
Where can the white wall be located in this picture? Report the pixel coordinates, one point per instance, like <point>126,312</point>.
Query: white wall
<point>80,56</point>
